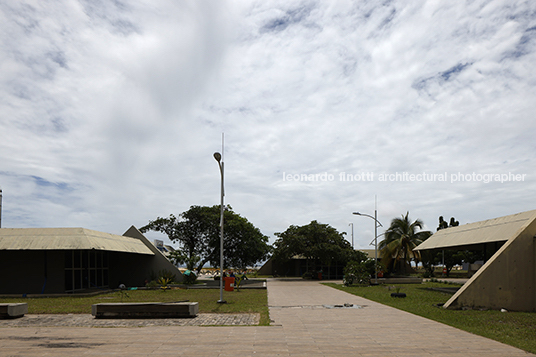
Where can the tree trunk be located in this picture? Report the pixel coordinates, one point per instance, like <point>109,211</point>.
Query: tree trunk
<point>200,266</point>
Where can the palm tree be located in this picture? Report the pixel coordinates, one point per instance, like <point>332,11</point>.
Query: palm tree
<point>400,240</point>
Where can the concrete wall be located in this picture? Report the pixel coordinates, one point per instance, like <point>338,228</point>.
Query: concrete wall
<point>288,268</point>
<point>267,268</point>
<point>507,280</point>
<point>156,263</point>
<point>25,272</point>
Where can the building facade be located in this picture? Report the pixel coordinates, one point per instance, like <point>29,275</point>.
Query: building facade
<point>71,260</point>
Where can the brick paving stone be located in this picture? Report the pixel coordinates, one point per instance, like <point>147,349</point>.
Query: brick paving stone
<point>302,326</point>
<point>87,320</point>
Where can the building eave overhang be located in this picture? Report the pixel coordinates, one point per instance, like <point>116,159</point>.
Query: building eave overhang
<point>68,239</point>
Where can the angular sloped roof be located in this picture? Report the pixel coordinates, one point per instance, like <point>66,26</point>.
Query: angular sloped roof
<point>68,238</point>
<point>492,230</point>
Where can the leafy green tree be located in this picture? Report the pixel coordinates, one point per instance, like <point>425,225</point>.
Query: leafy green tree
<point>197,231</point>
<point>358,272</point>
<point>452,258</point>
<point>319,243</point>
<point>449,257</point>
<point>438,257</point>
<point>428,259</point>
<point>401,238</point>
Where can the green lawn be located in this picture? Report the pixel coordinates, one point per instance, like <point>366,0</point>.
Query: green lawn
<point>517,329</point>
<point>243,301</point>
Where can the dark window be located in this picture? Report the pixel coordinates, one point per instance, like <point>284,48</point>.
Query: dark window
<point>77,279</point>
<point>84,260</point>
<point>77,262</point>
<point>92,259</point>
<point>85,269</point>
<point>92,277</point>
<point>99,277</point>
<point>105,260</point>
<point>68,280</point>
<point>68,259</point>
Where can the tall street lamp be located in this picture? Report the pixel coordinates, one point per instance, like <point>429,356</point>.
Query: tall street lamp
<point>351,224</point>
<point>217,156</point>
<point>376,223</point>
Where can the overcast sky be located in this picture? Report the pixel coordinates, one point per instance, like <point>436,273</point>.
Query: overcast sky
<point>110,111</point>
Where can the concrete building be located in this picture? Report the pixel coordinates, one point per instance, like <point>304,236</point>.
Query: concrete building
<point>371,253</point>
<point>508,277</point>
<point>69,260</point>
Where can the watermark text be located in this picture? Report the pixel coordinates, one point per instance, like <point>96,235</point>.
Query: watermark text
<point>369,176</point>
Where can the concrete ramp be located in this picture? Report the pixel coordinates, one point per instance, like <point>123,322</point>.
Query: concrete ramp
<point>507,280</point>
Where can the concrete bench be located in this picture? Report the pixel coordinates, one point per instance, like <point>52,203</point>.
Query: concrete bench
<point>13,310</point>
<point>145,310</point>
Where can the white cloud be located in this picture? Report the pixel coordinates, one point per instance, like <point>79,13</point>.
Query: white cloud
<point>111,110</point>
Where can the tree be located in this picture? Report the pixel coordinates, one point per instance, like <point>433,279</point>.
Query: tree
<point>449,257</point>
<point>401,238</point>
<point>198,233</point>
<point>428,259</point>
<point>316,242</point>
<point>358,272</point>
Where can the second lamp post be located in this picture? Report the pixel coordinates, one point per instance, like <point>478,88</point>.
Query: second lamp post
<point>376,223</point>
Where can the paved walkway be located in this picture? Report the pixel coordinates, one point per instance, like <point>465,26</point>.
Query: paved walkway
<point>306,322</point>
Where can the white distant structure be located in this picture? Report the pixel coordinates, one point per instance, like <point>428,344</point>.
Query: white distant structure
<point>164,248</point>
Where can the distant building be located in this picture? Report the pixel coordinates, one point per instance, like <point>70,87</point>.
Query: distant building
<point>298,266</point>
<point>164,248</point>
<point>69,260</point>
<point>371,252</point>
<point>508,277</point>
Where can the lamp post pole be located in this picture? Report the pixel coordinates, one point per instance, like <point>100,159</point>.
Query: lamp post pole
<point>217,156</point>
<point>351,224</point>
<point>376,223</point>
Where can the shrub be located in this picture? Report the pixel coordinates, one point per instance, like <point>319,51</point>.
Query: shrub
<point>164,273</point>
<point>152,284</point>
<point>163,281</point>
<point>307,275</point>
<point>189,277</point>
<point>358,272</point>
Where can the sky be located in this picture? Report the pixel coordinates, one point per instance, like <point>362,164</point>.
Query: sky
<point>110,111</point>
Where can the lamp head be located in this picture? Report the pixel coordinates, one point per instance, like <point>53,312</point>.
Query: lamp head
<point>217,156</point>
<point>357,213</point>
